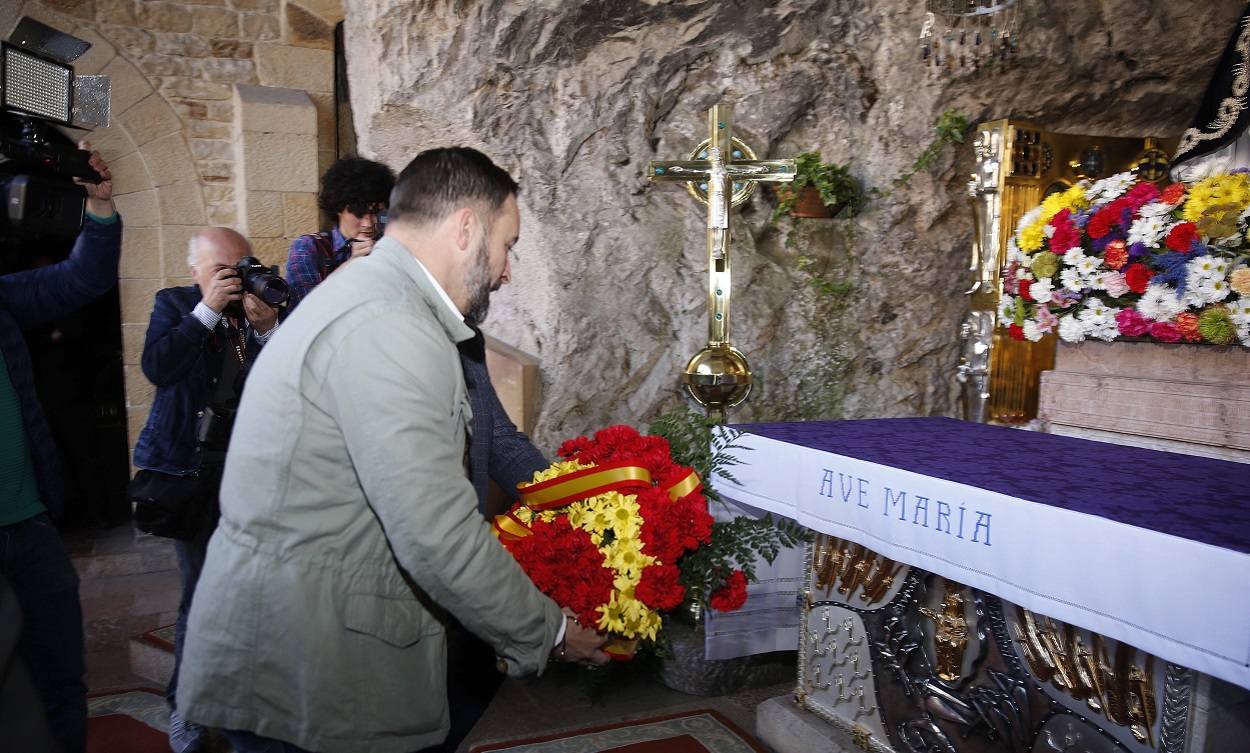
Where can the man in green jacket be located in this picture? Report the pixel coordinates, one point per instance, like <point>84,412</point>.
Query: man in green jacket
<point>348,526</point>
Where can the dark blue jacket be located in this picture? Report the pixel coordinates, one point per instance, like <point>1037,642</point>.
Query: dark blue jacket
<point>40,295</point>
<point>498,449</point>
<point>183,359</point>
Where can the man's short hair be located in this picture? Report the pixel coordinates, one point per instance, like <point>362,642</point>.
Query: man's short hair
<point>439,181</point>
<point>355,184</point>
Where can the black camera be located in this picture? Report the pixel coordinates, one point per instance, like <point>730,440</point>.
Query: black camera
<point>216,424</point>
<point>263,282</point>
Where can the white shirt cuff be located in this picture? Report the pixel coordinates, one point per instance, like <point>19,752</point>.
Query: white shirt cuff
<point>207,316</point>
<point>564,624</point>
<point>262,339</point>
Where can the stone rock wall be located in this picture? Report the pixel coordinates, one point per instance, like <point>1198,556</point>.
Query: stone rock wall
<point>609,282</point>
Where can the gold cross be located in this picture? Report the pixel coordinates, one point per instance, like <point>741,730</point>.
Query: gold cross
<point>721,173</point>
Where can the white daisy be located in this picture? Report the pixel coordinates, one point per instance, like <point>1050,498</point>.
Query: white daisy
<point>1147,230</point>
<point>1073,256</point>
<point>1110,188</point>
<point>1206,169</point>
<point>1072,280</point>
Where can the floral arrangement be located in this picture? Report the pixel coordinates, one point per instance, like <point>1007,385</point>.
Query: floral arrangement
<point>610,532</point>
<point>1117,258</point>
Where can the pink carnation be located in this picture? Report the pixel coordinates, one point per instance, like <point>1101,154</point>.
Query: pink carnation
<point>1132,323</point>
<point>1114,283</point>
<point>1166,332</point>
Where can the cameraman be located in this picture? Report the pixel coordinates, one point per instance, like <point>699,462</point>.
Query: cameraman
<point>201,341</point>
<point>32,557</point>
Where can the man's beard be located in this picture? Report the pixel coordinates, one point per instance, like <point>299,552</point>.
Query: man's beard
<point>479,286</point>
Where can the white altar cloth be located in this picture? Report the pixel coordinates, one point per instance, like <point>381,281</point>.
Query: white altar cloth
<point>1182,600</point>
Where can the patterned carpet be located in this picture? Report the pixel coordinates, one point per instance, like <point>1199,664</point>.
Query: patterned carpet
<point>702,731</point>
<point>133,721</point>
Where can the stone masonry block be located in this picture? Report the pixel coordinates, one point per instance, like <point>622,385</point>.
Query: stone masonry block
<point>174,242</point>
<point>223,215</point>
<point>325,119</point>
<point>136,298</point>
<point>182,45</point>
<point>141,253</point>
<point>165,17</point>
<point>112,142</point>
<point>130,42</point>
<point>274,110</point>
<point>130,174</point>
<point>214,22</point>
<point>129,87</point>
<point>295,67</point>
<point>278,162</point>
<point>330,11</point>
<point>169,160</point>
<point>133,337</point>
<point>150,119</point>
<point>139,391</point>
<point>196,89</point>
<point>271,251</point>
<point>264,214</point>
<point>260,27</point>
<point>300,214</point>
<point>207,129</point>
<point>256,6</point>
<point>230,70</point>
<point>101,52</point>
<point>120,12</point>
<point>139,209</point>
<point>84,9</point>
<point>181,204</point>
<point>307,29</point>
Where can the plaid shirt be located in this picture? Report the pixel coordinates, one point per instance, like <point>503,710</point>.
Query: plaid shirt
<point>307,265</point>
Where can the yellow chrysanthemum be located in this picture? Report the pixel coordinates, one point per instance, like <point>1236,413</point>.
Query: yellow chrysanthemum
<point>612,617</point>
<point>1030,240</point>
<point>1227,188</point>
<point>625,616</point>
<point>625,556</point>
<point>593,515</point>
<point>562,468</point>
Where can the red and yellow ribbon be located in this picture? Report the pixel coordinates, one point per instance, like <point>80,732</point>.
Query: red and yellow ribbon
<point>552,494</point>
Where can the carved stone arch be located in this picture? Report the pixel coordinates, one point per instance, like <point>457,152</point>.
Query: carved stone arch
<point>158,192</point>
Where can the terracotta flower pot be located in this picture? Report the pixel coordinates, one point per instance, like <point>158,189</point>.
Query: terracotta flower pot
<point>809,204</point>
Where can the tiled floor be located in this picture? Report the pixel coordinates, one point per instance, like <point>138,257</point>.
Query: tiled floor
<point>128,585</point>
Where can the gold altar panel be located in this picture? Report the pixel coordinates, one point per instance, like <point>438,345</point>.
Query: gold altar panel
<point>1018,164</point>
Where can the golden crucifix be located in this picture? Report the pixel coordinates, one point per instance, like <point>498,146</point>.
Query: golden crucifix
<point>721,173</point>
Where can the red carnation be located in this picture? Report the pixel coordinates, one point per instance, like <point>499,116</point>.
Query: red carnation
<point>659,587</point>
<point>1182,236</point>
<point>1016,331</point>
<point>1024,289</point>
<point>732,595</point>
<point>1138,277</point>
<point>1173,194</point>
<point>1116,254</point>
<point>565,564</point>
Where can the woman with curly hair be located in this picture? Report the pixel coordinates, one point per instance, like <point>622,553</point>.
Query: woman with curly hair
<point>355,191</point>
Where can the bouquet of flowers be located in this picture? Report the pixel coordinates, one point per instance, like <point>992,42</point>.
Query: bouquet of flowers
<point>610,532</point>
<point>1117,258</point>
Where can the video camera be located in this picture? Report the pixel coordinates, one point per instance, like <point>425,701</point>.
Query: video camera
<point>263,282</point>
<point>38,89</point>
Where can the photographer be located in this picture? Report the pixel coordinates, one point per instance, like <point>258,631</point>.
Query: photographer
<point>201,341</point>
<point>32,557</point>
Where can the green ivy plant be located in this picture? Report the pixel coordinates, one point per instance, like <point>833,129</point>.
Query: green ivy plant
<point>950,128</point>
<point>834,182</point>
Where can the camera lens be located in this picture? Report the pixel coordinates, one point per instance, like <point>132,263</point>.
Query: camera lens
<point>272,290</point>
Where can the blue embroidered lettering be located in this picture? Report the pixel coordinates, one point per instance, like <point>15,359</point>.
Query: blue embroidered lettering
<point>922,505</point>
<point>900,500</point>
<point>944,513</point>
<point>846,490</point>
<point>863,492</point>
<point>961,522</point>
<point>827,482</point>
<point>982,516</point>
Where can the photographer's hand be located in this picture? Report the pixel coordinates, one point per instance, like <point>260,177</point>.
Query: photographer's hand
<point>362,246</point>
<point>262,316</point>
<point>99,195</point>
<point>222,289</point>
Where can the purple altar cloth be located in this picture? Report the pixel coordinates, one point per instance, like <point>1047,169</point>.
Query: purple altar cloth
<point>1197,498</point>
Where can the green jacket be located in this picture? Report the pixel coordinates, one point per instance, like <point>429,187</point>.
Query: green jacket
<point>348,525</point>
